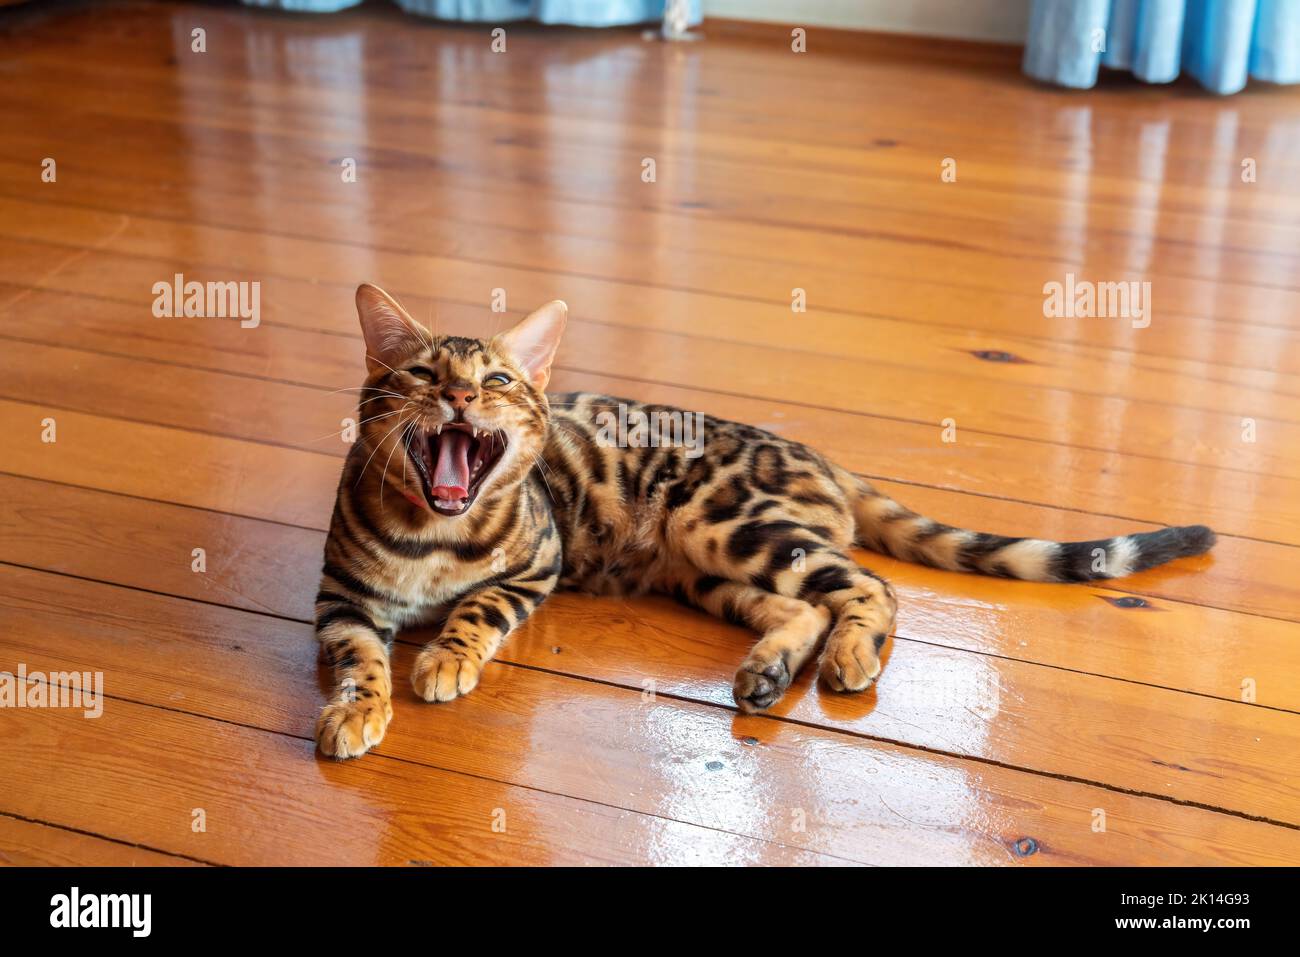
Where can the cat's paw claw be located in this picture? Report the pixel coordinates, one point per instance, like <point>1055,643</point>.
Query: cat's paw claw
<point>850,665</point>
<point>441,675</point>
<point>349,728</point>
<point>759,684</point>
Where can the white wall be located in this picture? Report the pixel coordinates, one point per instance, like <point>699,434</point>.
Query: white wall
<point>1000,20</point>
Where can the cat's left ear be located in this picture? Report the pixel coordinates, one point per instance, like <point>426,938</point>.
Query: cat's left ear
<point>532,343</point>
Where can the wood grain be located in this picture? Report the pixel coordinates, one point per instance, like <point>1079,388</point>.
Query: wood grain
<point>32,844</point>
<point>641,752</point>
<point>1181,435</point>
<point>147,544</point>
<point>993,705</point>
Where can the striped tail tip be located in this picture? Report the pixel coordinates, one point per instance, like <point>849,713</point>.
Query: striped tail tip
<point>1182,541</point>
<point>1127,554</point>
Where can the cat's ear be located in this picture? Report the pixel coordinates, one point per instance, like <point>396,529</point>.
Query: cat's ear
<point>390,333</point>
<point>532,343</point>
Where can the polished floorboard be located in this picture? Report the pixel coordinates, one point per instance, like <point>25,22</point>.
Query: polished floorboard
<point>1151,720</point>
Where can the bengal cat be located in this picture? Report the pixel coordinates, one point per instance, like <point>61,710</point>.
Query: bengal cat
<point>471,494</point>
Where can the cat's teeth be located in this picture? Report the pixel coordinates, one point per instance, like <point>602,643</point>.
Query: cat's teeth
<point>438,429</point>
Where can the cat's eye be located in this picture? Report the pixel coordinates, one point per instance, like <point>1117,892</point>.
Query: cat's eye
<point>496,380</point>
<point>421,372</point>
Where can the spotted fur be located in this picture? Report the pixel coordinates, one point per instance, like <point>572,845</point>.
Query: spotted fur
<point>755,529</point>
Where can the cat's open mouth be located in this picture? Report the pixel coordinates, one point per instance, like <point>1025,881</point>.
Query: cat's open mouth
<point>452,462</point>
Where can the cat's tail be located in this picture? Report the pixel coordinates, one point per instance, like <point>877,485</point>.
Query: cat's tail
<point>886,526</point>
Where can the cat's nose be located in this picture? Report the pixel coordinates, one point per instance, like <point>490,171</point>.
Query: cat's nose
<point>460,396</point>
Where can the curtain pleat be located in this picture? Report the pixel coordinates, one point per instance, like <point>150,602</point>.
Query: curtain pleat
<point>1219,42</point>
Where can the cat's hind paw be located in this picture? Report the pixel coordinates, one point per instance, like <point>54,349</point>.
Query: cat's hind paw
<point>760,683</point>
<point>850,662</point>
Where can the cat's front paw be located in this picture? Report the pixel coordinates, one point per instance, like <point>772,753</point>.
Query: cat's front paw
<point>760,682</point>
<point>349,728</point>
<point>441,674</point>
<point>851,662</point>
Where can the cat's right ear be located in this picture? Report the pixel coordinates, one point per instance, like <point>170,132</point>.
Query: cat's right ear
<point>391,334</point>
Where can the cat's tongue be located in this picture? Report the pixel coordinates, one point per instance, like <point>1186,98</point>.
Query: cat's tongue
<point>451,472</point>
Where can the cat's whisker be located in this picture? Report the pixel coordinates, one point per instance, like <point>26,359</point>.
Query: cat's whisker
<point>426,334</point>
<point>541,463</point>
<point>382,394</point>
<point>358,388</point>
<point>382,363</point>
<point>405,473</point>
<point>433,321</point>
<point>381,442</point>
<point>516,405</point>
<point>334,435</point>
<point>381,415</point>
<point>572,429</point>
<point>383,478</point>
<point>542,469</point>
<point>377,398</point>
<point>541,472</point>
<point>421,332</point>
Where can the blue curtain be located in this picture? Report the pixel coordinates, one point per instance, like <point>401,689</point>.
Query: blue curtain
<point>1219,42</point>
<point>578,13</point>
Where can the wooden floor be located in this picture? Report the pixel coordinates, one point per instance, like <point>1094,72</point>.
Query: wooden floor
<point>1154,721</point>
